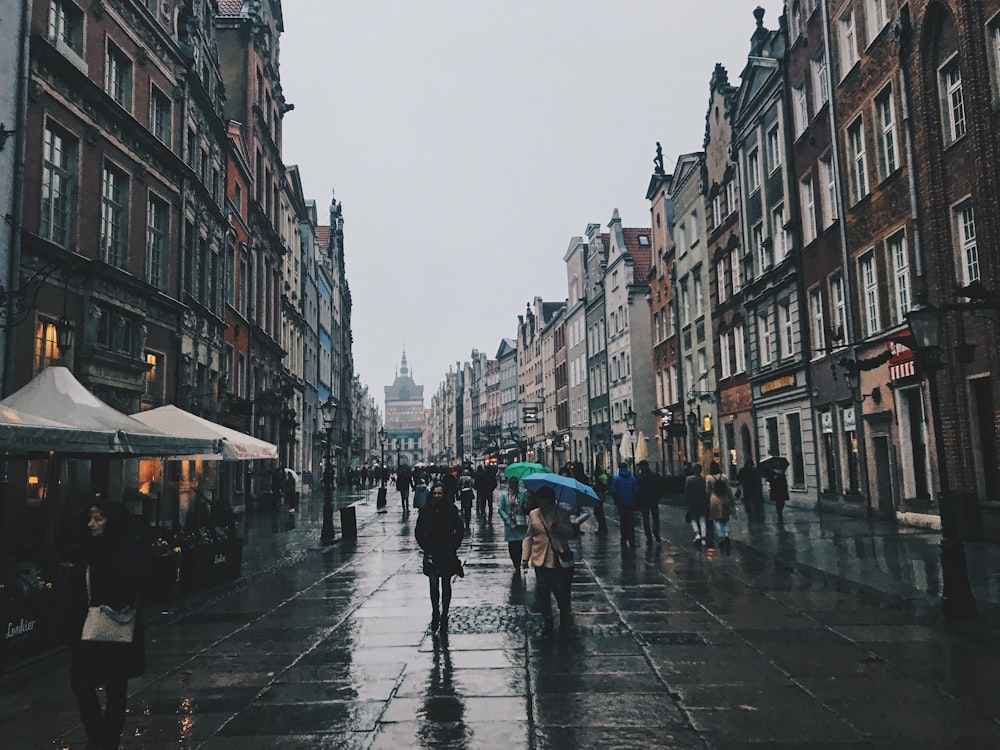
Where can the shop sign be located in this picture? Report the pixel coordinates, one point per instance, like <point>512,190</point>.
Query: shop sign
<point>786,381</point>
<point>826,421</point>
<point>848,417</point>
<point>902,359</point>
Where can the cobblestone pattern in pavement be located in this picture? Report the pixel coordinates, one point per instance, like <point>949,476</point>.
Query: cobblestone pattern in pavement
<point>672,646</point>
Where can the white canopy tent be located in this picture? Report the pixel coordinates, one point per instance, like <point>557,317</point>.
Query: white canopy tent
<point>235,445</point>
<point>54,395</point>
<point>25,434</point>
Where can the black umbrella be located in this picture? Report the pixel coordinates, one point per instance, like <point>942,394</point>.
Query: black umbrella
<point>772,465</point>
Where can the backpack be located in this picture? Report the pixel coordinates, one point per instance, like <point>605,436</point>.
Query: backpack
<point>720,486</point>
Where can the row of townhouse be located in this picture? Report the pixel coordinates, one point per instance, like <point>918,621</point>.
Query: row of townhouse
<point>774,305</point>
<point>157,245</point>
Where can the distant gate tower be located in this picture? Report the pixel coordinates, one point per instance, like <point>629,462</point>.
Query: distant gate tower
<point>404,419</point>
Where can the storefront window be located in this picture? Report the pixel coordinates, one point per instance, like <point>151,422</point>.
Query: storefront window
<point>37,483</point>
<point>795,448</point>
<point>851,451</point>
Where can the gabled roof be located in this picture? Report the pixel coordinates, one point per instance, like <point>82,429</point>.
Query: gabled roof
<point>640,250</point>
<point>506,347</point>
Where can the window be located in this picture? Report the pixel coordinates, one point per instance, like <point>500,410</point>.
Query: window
<point>763,247</point>
<point>720,278</point>
<point>154,377</point>
<point>732,196</point>
<point>953,105</point>
<point>877,18</point>
<point>764,339</point>
<point>837,303</point>
<point>886,133</point>
<point>157,231</point>
<point>685,303</point>
<point>773,149</point>
<point>869,293</point>
<point>827,191</point>
<point>808,202</point>
<point>159,115</point>
<point>753,170</point>
<point>856,149</point>
<point>46,351</point>
<point>901,275</point>
<point>66,25</point>
<point>821,89</point>
<point>848,42</point>
<point>114,218</point>
<point>724,352</point>
<point>739,348</point>
<point>800,109</point>
<point>118,76</point>
<point>993,44</point>
<point>773,446</point>
<point>699,294</point>
<point>816,316</point>
<point>734,264</point>
<point>968,250</point>
<point>694,228</point>
<point>682,246</point>
<point>787,329</point>
<point>780,234</point>
<point>59,153</point>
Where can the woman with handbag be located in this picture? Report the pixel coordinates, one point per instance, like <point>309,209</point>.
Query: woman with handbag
<point>107,634</point>
<point>439,533</point>
<point>545,547</point>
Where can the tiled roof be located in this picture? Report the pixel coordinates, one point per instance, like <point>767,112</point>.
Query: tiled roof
<point>322,238</point>
<point>230,7</point>
<point>641,252</point>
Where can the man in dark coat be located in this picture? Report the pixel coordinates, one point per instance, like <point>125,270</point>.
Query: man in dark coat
<point>650,489</point>
<point>753,492</point>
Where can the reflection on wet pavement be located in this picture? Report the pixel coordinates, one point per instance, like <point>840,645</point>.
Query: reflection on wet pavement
<point>806,633</point>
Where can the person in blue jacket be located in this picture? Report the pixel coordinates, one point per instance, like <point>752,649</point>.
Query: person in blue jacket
<point>625,491</point>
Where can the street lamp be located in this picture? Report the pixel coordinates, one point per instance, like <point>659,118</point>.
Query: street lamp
<point>925,323</point>
<point>381,500</point>
<point>630,426</point>
<point>329,413</point>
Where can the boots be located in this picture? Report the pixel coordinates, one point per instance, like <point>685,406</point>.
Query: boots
<point>435,620</point>
<point>548,626</point>
<point>444,624</point>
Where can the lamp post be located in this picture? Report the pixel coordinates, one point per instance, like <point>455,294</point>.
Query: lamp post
<point>329,412</point>
<point>381,500</point>
<point>956,598</point>
<point>381,442</point>
<point>630,426</point>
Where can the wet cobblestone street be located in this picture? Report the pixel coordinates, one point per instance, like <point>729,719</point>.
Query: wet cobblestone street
<point>671,647</point>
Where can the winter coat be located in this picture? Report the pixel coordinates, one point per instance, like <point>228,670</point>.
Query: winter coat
<point>749,480</point>
<point>119,568</point>
<point>650,488</point>
<point>508,511</point>
<point>720,504</point>
<point>696,496</point>
<point>439,532</point>
<point>625,489</point>
<point>536,548</point>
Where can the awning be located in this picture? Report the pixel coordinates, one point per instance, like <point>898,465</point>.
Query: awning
<point>236,446</point>
<point>26,434</point>
<point>55,395</point>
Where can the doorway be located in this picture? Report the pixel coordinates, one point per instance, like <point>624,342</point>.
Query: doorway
<point>883,477</point>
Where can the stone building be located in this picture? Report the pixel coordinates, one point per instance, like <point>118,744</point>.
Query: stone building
<point>602,447</point>
<point>404,419</point>
<point>735,429</point>
<point>777,340</point>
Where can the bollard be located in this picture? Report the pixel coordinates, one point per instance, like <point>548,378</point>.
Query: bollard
<point>348,522</point>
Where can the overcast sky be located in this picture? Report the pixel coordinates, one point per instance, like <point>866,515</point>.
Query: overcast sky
<point>469,140</point>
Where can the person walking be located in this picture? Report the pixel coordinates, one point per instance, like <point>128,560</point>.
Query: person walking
<point>515,519</point>
<point>601,488</point>
<point>404,481</point>
<point>696,498</point>
<point>545,542</point>
<point>466,495</point>
<point>778,484</point>
<point>721,502</point>
<point>753,492</point>
<point>650,489</point>
<point>625,491</point>
<point>113,569</point>
<point>439,533</point>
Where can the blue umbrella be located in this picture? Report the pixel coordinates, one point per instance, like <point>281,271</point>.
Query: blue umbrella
<point>568,490</point>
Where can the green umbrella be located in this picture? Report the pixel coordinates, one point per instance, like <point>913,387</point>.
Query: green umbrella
<point>521,469</point>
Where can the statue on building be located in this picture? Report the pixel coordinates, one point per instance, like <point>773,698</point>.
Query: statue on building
<point>658,159</point>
